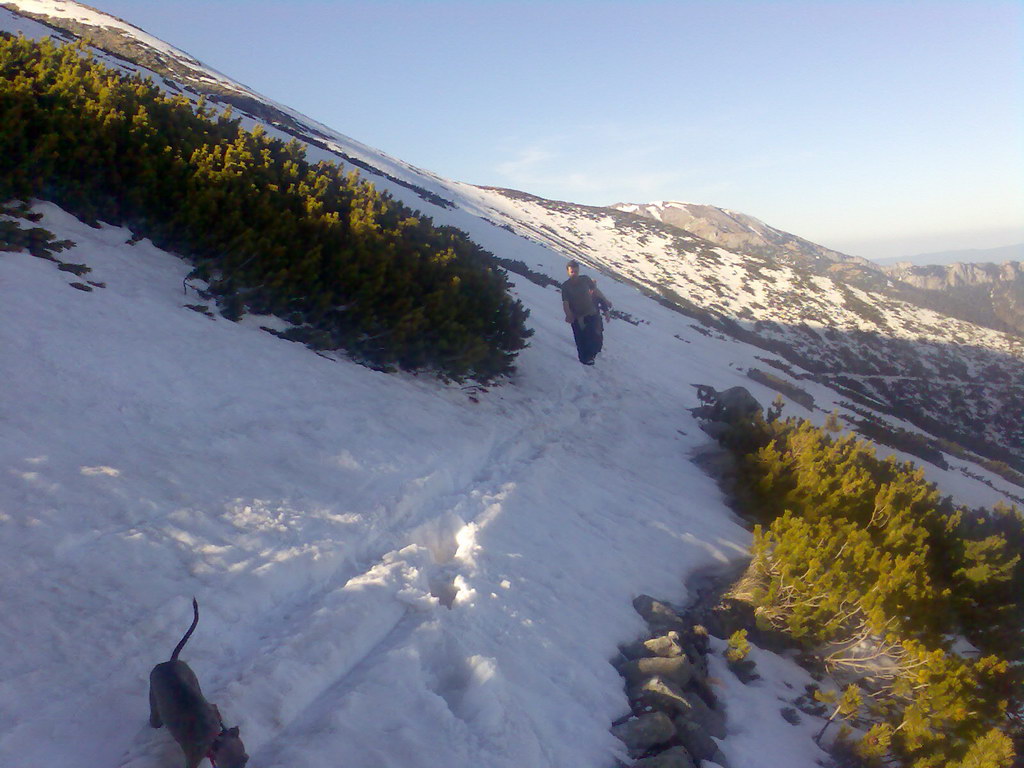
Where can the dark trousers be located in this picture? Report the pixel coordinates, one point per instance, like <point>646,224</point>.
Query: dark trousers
<point>588,332</point>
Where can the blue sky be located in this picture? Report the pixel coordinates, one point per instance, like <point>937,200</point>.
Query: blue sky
<point>877,128</point>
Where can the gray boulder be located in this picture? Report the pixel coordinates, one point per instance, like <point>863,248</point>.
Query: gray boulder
<point>657,693</point>
<point>735,404</point>
<point>632,651</point>
<point>718,465</point>
<point>698,660</point>
<point>697,711</point>
<point>641,733</point>
<point>667,645</point>
<point>659,616</point>
<point>677,669</point>
<point>702,688</point>
<point>696,740</point>
<point>699,639</point>
<point>676,757</point>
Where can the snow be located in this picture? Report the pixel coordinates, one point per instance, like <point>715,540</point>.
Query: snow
<point>389,573</point>
<point>385,569</point>
<point>83,14</point>
<point>383,566</point>
<point>758,733</point>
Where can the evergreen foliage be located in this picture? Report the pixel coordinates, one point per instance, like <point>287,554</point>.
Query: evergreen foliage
<point>844,706</point>
<point>861,560</point>
<point>349,266</point>
<point>739,646</point>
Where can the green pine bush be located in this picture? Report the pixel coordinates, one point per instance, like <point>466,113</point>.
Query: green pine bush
<point>861,560</point>
<point>270,231</point>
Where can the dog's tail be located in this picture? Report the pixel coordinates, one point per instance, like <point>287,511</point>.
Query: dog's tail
<point>181,643</point>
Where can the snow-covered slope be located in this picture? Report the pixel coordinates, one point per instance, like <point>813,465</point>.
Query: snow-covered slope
<point>386,570</point>
<point>879,350</point>
<point>842,332</point>
<point>390,573</point>
<point>739,231</point>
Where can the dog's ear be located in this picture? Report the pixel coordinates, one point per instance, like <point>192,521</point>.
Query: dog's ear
<point>233,732</point>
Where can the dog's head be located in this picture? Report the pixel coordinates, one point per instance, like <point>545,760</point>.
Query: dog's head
<point>228,751</point>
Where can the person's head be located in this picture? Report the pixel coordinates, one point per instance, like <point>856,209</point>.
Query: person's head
<point>573,268</point>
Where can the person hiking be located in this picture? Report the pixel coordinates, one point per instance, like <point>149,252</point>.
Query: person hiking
<point>583,303</point>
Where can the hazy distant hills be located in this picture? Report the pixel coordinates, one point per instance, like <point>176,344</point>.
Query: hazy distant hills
<point>968,256</point>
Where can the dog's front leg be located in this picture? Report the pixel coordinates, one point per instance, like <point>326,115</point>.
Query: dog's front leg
<point>154,713</point>
<point>194,755</point>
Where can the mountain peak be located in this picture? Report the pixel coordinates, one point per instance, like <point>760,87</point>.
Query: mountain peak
<point>743,233</point>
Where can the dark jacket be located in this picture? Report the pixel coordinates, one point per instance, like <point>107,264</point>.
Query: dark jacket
<point>582,298</point>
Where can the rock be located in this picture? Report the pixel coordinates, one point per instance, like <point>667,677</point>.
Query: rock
<point>676,757</point>
<point>728,616</point>
<point>660,694</point>
<point>667,645</point>
<point>790,715</point>
<point>699,638</point>
<point>637,650</point>
<point>696,740</point>
<point>702,412</point>
<point>645,731</point>
<point>715,430</point>
<point>698,660</point>
<point>658,615</point>
<point>677,669</point>
<point>736,404</point>
<point>701,687</point>
<point>696,710</point>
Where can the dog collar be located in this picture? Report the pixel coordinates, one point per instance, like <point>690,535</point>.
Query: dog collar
<point>213,745</point>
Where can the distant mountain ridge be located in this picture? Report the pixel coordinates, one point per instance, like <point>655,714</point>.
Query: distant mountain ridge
<point>987,294</point>
<point>984,294</point>
<point>739,231</point>
<point>966,256</point>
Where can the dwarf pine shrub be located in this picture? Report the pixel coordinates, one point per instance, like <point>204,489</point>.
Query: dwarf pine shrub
<point>861,560</point>
<point>270,231</point>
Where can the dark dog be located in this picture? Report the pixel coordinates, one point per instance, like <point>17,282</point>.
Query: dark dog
<point>176,701</point>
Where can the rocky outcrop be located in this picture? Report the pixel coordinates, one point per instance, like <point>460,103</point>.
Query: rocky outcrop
<point>674,717</point>
<point>991,295</point>
<point>740,232</point>
<point>942,278</point>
